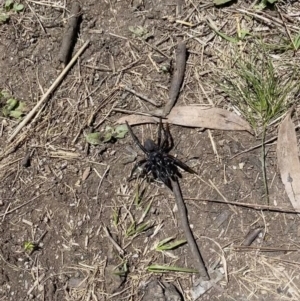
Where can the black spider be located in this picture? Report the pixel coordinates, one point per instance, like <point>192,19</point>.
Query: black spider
<point>158,162</point>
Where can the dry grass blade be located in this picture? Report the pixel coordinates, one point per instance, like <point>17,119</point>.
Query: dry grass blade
<point>288,160</point>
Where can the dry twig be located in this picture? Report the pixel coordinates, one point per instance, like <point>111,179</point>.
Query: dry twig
<point>48,92</point>
<point>187,230</point>
<point>177,77</point>
<point>153,102</point>
<point>247,205</point>
<point>69,38</point>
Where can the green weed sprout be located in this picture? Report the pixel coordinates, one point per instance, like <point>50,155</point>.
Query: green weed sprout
<point>166,244</point>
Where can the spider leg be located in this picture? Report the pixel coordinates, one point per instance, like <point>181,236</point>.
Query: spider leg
<point>168,142</point>
<point>135,139</point>
<point>135,167</point>
<point>182,165</point>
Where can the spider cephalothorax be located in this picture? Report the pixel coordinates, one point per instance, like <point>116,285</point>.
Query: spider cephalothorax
<point>158,162</point>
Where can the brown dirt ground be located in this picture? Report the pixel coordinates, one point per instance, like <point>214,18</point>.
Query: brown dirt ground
<point>54,204</point>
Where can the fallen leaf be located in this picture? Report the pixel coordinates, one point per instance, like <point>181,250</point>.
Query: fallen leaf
<point>288,160</point>
<point>137,119</point>
<point>214,118</point>
<point>195,116</point>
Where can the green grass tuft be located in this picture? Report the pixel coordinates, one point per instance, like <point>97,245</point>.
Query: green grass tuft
<point>259,91</point>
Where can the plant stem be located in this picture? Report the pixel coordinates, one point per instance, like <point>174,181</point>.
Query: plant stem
<point>187,230</point>
<point>263,164</point>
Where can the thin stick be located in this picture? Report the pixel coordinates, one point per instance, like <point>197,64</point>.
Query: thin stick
<point>264,249</point>
<point>187,230</point>
<point>114,243</point>
<point>140,95</point>
<point>49,91</point>
<point>247,205</point>
<point>255,147</point>
<point>131,112</point>
<point>263,165</point>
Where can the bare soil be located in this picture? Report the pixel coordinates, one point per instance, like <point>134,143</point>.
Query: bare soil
<point>67,196</point>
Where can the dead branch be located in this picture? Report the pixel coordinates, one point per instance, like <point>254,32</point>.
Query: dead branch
<point>69,37</point>
<point>177,77</point>
<point>187,230</point>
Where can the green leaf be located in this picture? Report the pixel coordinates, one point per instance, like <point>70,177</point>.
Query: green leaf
<point>29,246</point>
<point>4,94</point>
<point>260,6</point>
<point>18,111</point>
<point>120,131</point>
<point>18,7</point>
<point>221,2</point>
<point>8,4</point>
<point>13,108</point>
<point>243,33</point>
<point>227,38</point>
<point>15,114</point>
<point>11,104</point>
<point>263,4</point>
<point>3,17</point>
<point>108,134</point>
<point>166,244</point>
<point>296,42</point>
<point>93,138</point>
<point>222,35</point>
<point>131,229</point>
